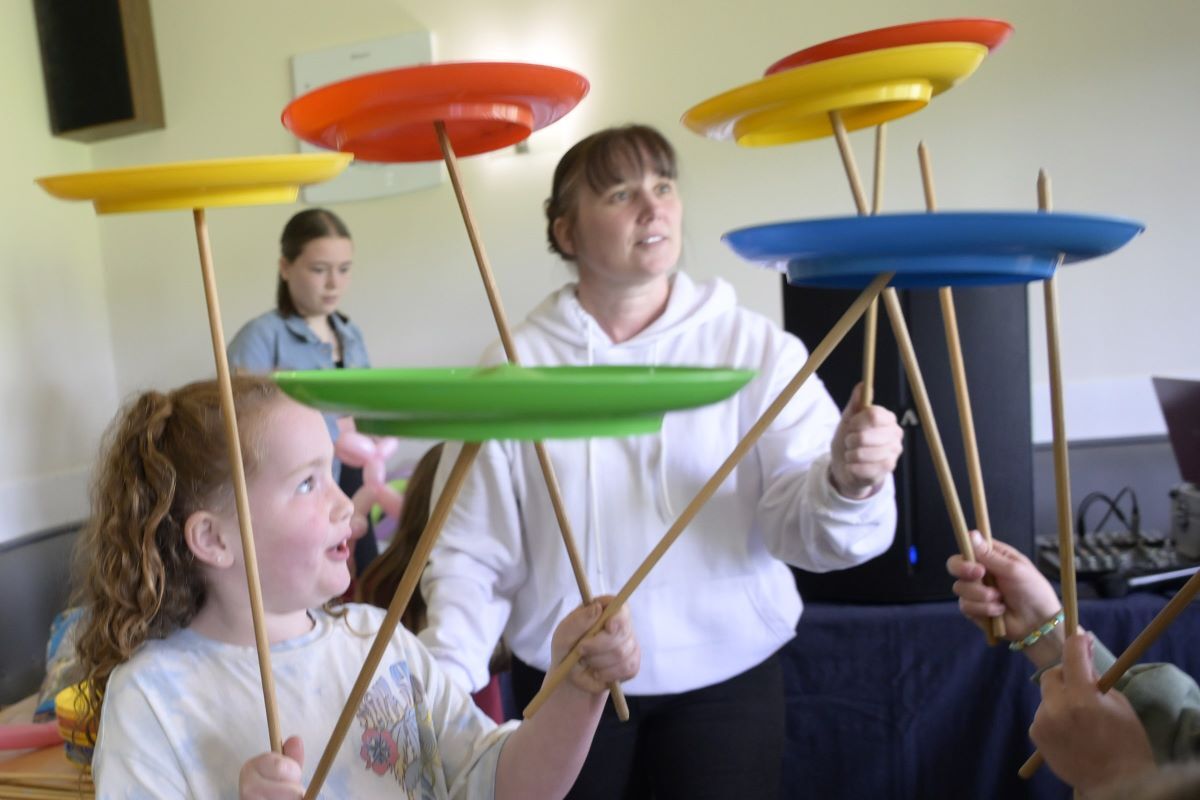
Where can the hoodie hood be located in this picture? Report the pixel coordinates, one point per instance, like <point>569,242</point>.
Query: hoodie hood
<point>561,316</point>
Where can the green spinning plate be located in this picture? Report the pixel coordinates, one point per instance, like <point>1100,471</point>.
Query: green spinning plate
<point>508,402</point>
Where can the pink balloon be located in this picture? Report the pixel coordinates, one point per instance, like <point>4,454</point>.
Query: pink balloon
<point>355,448</point>
<point>378,494</point>
<point>370,453</point>
<point>374,471</point>
<point>29,736</point>
<point>386,446</point>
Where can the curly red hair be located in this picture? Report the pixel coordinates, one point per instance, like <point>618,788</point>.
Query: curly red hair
<point>162,459</point>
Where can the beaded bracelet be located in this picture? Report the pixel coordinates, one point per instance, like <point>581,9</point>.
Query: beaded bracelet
<point>1041,631</point>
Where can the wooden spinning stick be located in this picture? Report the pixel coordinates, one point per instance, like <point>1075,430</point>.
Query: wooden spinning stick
<point>1062,472</point>
<point>966,419</point>
<point>871,320</point>
<point>404,593</point>
<point>815,360</point>
<point>908,354</point>
<point>510,351</point>
<point>1062,475</point>
<point>880,150</point>
<point>238,473</point>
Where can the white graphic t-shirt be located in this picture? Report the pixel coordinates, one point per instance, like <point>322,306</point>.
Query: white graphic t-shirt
<point>186,712</point>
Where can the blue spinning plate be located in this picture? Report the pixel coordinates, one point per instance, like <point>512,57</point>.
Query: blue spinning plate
<point>930,250</point>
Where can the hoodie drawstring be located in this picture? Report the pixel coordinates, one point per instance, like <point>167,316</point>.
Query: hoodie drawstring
<point>592,546</point>
<point>665,510</point>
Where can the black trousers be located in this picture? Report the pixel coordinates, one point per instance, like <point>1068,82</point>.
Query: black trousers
<point>722,741</point>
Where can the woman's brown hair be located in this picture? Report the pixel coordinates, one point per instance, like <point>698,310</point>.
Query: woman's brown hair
<point>162,459</point>
<point>378,582</point>
<point>602,160</point>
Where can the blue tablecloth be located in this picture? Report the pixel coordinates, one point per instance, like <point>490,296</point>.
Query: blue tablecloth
<point>907,701</point>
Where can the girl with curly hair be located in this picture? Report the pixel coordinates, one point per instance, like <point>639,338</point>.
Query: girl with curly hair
<point>167,643</point>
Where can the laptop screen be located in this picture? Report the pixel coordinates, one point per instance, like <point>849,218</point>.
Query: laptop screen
<point>1180,402</point>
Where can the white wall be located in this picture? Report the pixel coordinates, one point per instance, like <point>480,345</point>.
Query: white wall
<point>57,387</point>
<point>1100,93</point>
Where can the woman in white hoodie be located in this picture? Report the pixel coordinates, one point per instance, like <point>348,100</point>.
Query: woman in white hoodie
<point>707,711</point>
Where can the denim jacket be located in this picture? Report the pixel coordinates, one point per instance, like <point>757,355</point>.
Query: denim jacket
<point>272,342</point>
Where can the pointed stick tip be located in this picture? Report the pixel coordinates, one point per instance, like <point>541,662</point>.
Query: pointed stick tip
<point>1043,190</point>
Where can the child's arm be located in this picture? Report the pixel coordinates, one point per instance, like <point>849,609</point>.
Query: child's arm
<point>543,756</point>
<point>271,776</point>
<point>1021,595</point>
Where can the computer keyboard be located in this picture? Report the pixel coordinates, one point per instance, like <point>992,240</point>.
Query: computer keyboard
<point>1117,562</point>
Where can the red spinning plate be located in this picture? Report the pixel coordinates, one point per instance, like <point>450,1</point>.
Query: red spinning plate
<point>389,116</point>
<point>991,33</point>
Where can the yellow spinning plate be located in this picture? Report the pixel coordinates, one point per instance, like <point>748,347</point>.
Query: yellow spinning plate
<point>867,88</point>
<point>254,180</point>
<point>198,185</point>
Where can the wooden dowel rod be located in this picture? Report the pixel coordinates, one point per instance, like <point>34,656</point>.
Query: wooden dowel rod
<point>870,335</point>
<point>18,792</point>
<point>815,359</point>
<point>962,396</point>
<point>880,158</point>
<point>404,592</point>
<point>849,163</point>
<point>510,350</point>
<point>958,523</point>
<point>45,779</point>
<point>1062,474</point>
<point>1162,620</point>
<point>481,259</point>
<point>924,410</point>
<point>1062,471</point>
<point>238,473</point>
<point>965,417</point>
<point>871,320</point>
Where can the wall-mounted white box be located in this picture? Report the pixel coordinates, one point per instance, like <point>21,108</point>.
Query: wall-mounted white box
<point>363,180</point>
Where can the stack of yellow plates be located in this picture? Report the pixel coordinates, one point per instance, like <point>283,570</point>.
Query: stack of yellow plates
<point>76,724</point>
<point>866,88</point>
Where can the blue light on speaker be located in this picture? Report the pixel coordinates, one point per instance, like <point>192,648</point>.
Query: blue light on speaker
<point>912,554</point>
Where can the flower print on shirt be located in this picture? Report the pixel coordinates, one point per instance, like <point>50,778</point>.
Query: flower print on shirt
<point>379,750</point>
<point>397,733</point>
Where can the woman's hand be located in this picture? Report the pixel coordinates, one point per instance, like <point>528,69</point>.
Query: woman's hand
<point>612,654</point>
<point>865,448</point>
<point>272,776</point>
<point>1090,740</point>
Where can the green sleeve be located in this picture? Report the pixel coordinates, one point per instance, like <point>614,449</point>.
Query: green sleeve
<point>1166,700</point>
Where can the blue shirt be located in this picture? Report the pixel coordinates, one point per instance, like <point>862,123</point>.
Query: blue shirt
<point>272,342</point>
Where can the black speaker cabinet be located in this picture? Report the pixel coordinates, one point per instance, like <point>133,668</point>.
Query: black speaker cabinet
<point>100,68</point>
<point>993,327</point>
